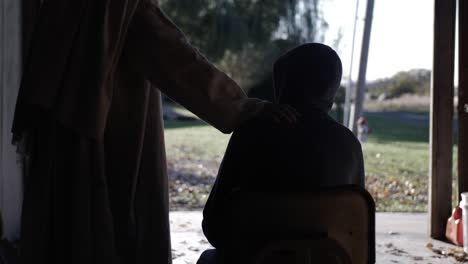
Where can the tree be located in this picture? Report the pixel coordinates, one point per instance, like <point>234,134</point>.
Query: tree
<point>244,37</point>
<point>416,81</point>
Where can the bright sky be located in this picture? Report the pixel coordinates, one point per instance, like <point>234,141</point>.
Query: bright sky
<point>401,36</point>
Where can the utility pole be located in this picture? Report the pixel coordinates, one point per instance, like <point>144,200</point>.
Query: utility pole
<point>361,84</point>
<point>349,90</point>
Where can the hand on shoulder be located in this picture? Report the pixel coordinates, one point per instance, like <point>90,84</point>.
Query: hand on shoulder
<point>278,113</point>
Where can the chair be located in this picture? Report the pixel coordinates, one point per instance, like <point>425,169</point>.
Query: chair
<point>335,225</point>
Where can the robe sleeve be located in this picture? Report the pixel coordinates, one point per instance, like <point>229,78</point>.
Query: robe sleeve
<point>160,51</point>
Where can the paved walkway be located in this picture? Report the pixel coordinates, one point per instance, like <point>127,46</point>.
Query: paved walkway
<point>401,238</point>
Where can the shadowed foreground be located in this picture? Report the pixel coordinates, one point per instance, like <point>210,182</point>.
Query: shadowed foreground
<point>401,238</point>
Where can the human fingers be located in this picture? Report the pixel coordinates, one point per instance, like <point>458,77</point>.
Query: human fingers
<point>292,113</point>
<point>294,110</point>
<point>282,113</point>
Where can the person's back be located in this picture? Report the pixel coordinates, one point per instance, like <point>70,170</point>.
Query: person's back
<point>317,152</point>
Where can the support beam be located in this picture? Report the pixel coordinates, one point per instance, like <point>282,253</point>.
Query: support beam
<point>441,136</point>
<point>463,98</point>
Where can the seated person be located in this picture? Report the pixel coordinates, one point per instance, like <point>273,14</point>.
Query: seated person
<point>316,152</point>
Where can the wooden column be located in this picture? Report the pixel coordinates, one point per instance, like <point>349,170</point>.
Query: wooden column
<point>441,134</point>
<point>463,98</point>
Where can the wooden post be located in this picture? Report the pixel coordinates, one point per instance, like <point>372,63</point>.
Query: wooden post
<point>463,98</point>
<point>441,134</point>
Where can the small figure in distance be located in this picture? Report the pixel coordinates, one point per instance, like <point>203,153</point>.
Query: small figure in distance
<point>363,129</point>
<point>317,152</point>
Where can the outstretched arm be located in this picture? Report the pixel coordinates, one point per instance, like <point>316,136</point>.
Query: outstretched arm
<point>160,51</point>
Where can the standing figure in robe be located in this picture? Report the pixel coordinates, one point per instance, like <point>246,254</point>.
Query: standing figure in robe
<point>89,122</point>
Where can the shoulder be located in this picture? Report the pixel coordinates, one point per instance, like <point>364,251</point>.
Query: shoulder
<point>349,139</point>
<point>340,132</point>
<point>260,128</point>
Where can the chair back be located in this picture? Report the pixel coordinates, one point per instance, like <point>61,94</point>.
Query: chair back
<point>303,226</point>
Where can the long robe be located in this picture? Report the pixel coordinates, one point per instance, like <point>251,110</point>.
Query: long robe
<point>89,110</point>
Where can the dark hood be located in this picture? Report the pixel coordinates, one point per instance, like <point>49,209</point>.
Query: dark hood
<point>307,76</point>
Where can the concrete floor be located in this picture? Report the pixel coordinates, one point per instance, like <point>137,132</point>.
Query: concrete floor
<point>401,238</point>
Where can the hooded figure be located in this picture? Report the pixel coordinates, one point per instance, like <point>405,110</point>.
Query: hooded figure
<point>315,153</point>
<point>89,122</point>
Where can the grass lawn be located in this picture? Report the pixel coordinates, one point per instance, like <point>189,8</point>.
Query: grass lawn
<point>194,151</point>
<point>396,160</point>
<point>194,140</point>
